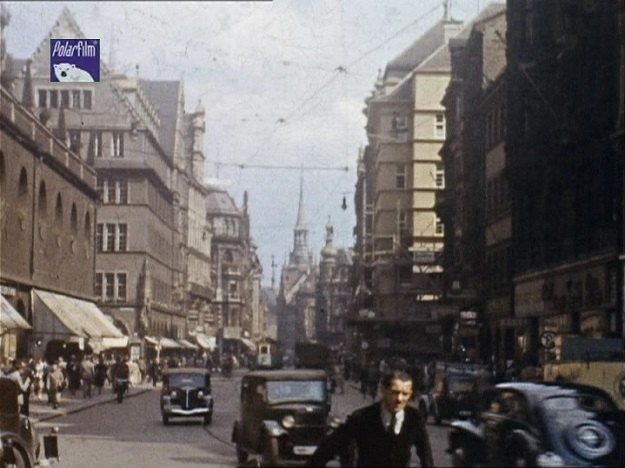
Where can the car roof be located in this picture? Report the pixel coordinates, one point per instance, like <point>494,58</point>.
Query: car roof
<point>538,390</point>
<point>287,374</point>
<point>185,370</point>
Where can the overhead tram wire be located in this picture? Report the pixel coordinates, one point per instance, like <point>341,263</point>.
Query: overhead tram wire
<point>277,166</point>
<point>341,70</point>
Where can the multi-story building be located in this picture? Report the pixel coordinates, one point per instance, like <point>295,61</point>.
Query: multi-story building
<point>564,100</point>
<point>475,205</point>
<point>235,273</point>
<point>334,291</point>
<point>47,225</point>
<point>399,235</point>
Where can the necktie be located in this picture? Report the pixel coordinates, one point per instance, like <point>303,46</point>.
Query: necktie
<point>391,426</point>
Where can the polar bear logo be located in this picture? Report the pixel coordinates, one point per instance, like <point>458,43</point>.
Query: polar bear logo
<point>68,72</point>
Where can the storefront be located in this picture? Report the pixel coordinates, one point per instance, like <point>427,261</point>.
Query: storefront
<point>12,325</point>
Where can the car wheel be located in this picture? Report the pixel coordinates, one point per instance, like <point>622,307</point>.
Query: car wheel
<point>208,419</point>
<point>242,455</point>
<point>424,411</point>
<point>520,456</point>
<point>165,420</point>
<point>20,460</point>
<point>270,452</point>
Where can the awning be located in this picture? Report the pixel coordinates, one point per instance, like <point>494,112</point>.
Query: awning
<point>65,316</point>
<point>168,343</point>
<point>186,344</point>
<point>108,343</point>
<point>206,342</point>
<point>151,340</point>
<point>10,318</point>
<point>250,345</point>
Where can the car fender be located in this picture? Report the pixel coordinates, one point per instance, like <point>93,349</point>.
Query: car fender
<point>468,428</point>
<point>521,436</point>
<point>272,428</point>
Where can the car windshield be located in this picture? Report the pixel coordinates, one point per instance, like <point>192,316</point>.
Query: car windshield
<point>296,390</point>
<point>592,403</point>
<point>461,385</point>
<point>186,380</point>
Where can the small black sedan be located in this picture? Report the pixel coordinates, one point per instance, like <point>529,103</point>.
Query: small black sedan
<point>541,424</point>
<point>186,393</point>
<point>284,416</point>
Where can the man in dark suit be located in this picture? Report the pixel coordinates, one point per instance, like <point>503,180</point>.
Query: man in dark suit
<point>381,434</point>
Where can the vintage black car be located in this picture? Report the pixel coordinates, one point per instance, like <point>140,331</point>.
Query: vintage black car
<point>541,424</point>
<point>186,393</point>
<point>20,443</point>
<point>284,415</point>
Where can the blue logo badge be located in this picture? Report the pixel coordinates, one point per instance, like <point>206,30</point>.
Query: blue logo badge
<point>74,60</point>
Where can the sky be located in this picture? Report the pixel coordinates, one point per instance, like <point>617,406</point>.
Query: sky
<point>283,84</point>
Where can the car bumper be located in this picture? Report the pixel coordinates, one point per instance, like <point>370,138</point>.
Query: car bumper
<point>173,411</point>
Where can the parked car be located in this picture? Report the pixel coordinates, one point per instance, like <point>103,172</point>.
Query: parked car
<point>541,424</point>
<point>186,393</point>
<point>284,415</point>
<point>20,443</point>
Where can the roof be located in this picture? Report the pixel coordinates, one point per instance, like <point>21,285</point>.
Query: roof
<point>220,201</point>
<point>540,390</point>
<point>290,374</point>
<point>165,96</point>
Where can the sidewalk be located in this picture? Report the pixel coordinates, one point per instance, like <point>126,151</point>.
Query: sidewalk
<point>41,410</point>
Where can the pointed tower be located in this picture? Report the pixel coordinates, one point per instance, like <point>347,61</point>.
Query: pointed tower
<point>300,254</point>
<point>27,91</point>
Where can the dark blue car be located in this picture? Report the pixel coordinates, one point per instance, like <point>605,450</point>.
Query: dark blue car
<point>541,424</point>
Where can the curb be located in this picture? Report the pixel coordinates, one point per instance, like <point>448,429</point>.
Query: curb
<point>86,405</point>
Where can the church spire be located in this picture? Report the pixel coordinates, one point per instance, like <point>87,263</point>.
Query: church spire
<point>300,254</point>
<point>300,209</point>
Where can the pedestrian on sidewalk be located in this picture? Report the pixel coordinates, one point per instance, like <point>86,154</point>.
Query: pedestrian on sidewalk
<point>73,375</point>
<point>56,384</point>
<point>21,375</point>
<point>381,434</point>
<point>101,372</point>
<point>87,375</point>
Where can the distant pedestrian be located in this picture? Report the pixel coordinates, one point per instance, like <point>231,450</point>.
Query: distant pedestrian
<point>56,384</point>
<point>87,375</point>
<point>100,374</point>
<point>21,375</point>
<point>73,375</point>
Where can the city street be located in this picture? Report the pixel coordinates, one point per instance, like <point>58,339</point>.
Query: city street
<point>132,434</point>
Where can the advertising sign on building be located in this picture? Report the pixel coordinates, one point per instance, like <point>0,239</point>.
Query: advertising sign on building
<point>74,60</point>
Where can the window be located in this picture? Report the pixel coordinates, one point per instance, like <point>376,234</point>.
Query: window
<point>122,191</point>
<point>96,138</point>
<point>122,237</point>
<point>98,285</point>
<point>121,286</point>
<point>43,203</point>
<point>100,188</point>
<point>113,190</point>
<point>76,99</point>
<point>109,287</point>
<point>439,177</point>
<point>87,99</point>
<point>54,99</point>
<point>43,98</point>
<point>440,227</point>
<point>439,126</point>
<point>109,193</point>
<point>117,145</point>
<point>58,212</point>
<point>74,140</point>
<point>110,237</point>
<point>73,219</point>
<point>400,177</point>
<point>99,236</point>
<point>88,228</point>
<point>403,222</point>
<point>22,188</point>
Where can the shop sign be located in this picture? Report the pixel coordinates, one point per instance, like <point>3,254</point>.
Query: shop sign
<point>7,290</point>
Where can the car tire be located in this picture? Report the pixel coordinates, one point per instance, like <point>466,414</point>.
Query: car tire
<point>208,419</point>
<point>270,452</point>
<point>21,460</point>
<point>520,455</point>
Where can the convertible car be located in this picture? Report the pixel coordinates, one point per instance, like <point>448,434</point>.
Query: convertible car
<point>541,424</point>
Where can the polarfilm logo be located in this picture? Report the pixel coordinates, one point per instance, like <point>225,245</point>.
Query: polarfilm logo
<point>74,60</point>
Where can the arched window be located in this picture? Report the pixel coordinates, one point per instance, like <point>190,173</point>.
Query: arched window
<point>73,220</point>
<point>88,228</point>
<point>42,203</point>
<point>22,188</point>
<point>58,212</point>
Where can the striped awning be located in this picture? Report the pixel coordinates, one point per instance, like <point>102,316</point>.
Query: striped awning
<point>10,318</point>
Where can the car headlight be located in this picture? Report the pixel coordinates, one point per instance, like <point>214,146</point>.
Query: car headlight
<point>288,421</point>
<point>174,394</point>
<point>200,394</point>
<point>333,422</point>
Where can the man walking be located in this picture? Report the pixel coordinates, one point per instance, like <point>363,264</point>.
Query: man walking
<point>381,434</point>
